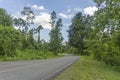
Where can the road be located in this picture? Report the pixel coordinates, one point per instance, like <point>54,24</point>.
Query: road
<point>35,69</point>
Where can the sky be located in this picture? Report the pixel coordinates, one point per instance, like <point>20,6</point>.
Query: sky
<point>65,9</point>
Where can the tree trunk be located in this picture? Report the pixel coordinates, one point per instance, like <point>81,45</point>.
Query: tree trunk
<point>38,36</point>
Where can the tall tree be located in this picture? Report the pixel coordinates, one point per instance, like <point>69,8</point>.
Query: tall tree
<point>58,36</point>
<point>38,29</point>
<point>77,32</point>
<point>52,22</point>
<point>29,17</point>
<point>53,18</point>
<point>55,34</point>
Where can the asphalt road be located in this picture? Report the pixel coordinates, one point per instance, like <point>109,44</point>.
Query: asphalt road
<point>36,69</point>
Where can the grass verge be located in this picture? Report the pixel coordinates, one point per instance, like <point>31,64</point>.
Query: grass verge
<point>88,69</point>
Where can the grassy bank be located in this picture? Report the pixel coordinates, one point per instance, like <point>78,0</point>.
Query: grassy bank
<point>89,69</point>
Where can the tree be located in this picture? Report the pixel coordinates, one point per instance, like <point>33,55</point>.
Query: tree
<point>53,18</point>
<point>55,34</point>
<point>5,18</point>
<point>103,43</point>
<point>98,2</point>
<point>20,23</point>
<point>39,28</point>
<point>77,32</point>
<point>57,41</point>
<point>88,26</point>
<point>29,17</point>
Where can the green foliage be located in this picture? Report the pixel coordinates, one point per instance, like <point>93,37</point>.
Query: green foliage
<point>27,11</point>
<point>73,50</point>
<point>78,31</point>
<point>5,18</point>
<point>38,29</point>
<point>53,18</point>
<point>20,44</point>
<point>104,39</point>
<point>98,35</point>
<point>10,40</point>
<point>28,55</point>
<point>55,34</point>
<point>20,23</point>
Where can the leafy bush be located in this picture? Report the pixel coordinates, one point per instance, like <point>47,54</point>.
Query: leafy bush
<point>10,40</point>
<point>87,52</point>
<point>73,50</point>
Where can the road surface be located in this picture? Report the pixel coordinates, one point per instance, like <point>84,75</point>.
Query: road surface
<point>36,69</point>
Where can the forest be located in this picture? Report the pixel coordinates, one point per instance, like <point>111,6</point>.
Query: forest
<point>97,36</point>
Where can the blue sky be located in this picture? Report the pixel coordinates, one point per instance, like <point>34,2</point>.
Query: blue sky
<point>64,9</point>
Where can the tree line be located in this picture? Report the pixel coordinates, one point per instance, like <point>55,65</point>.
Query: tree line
<point>21,42</point>
<point>98,35</point>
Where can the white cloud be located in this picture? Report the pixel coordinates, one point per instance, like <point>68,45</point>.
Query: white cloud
<point>35,6</point>
<point>67,24</point>
<point>43,19</point>
<point>65,16</point>
<point>69,10</point>
<point>38,7</point>
<point>90,10</point>
<point>41,8</point>
<point>77,9</point>
<point>24,17</point>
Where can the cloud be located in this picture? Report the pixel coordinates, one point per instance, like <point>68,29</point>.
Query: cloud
<point>69,10</point>
<point>38,7</point>
<point>67,24</point>
<point>43,19</point>
<point>40,19</point>
<point>35,6</point>
<point>65,16</point>
<point>77,9</point>
<point>90,10</point>
<point>41,8</point>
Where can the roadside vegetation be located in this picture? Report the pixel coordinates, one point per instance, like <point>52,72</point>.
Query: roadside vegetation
<point>89,69</point>
<point>98,35</point>
<point>21,43</point>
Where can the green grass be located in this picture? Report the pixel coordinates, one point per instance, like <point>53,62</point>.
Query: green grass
<point>88,69</point>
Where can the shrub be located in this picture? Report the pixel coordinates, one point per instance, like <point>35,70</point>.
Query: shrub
<point>73,50</point>
<point>10,40</point>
